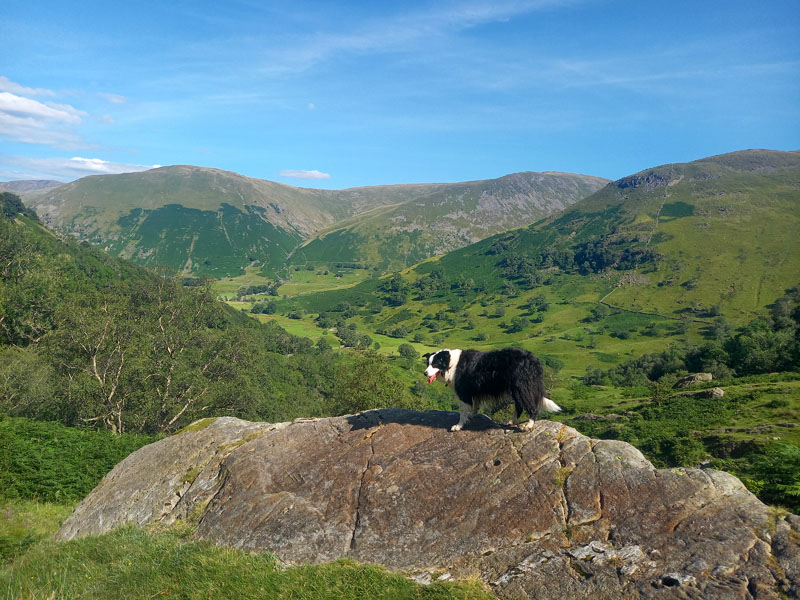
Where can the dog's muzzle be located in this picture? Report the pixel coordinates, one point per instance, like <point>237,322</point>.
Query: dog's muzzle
<point>432,373</point>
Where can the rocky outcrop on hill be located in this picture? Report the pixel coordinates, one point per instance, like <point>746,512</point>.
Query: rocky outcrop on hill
<point>693,379</point>
<point>546,513</point>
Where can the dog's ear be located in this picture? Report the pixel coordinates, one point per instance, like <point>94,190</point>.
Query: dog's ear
<point>442,359</point>
<point>427,355</point>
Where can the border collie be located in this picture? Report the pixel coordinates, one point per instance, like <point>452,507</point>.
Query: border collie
<point>492,379</point>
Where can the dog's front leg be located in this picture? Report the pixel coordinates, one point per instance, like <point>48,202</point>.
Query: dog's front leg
<point>464,415</point>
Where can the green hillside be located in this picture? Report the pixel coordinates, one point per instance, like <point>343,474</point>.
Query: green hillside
<point>451,217</point>
<point>218,242</point>
<point>641,264</point>
<point>201,220</point>
<point>679,269</point>
<point>91,340</point>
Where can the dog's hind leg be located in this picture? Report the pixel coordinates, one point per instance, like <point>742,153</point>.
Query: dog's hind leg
<point>464,415</point>
<point>527,425</point>
<point>520,405</point>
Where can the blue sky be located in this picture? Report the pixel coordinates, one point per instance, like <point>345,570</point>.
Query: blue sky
<point>344,94</point>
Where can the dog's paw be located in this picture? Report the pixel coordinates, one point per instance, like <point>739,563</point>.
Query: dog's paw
<point>527,425</point>
<point>456,427</point>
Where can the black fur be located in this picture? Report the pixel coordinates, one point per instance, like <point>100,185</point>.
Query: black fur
<point>494,378</point>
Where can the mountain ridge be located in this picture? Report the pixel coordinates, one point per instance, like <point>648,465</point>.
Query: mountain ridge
<point>29,185</point>
<point>200,219</point>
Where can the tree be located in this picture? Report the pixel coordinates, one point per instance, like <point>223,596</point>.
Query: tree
<point>598,313</point>
<point>93,349</point>
<point>721,329</point>
<point>26,384</point>
<point>760,349</point>
<point>539,303</point>
<point>407,351</point>
<point>364,383</point>
<point>518,324</point>
<point>264,308</point>
<point>777,474</point>
<point>394,290</point>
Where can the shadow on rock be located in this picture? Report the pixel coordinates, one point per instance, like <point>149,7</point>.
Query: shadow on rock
<point>436,419</point>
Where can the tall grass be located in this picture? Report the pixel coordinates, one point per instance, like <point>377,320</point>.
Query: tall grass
<point>53,463</point>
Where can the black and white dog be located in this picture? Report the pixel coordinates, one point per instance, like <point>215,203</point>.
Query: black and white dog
<point>492,379</point>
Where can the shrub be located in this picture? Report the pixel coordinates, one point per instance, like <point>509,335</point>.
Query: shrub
<point>407,351</point>
<point>777,475</point>
<point>54,463</point>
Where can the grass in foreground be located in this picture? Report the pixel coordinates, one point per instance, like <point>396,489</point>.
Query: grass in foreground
<point>131,563</point>
<point>23,523</point>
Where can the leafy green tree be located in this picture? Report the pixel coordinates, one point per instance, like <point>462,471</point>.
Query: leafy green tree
<point>11,205</point>
<point>407,351</point>
<point>760,349</point>
<point>598,313</point>
<point>93,347</point>
<point>323,345</point>
<point>518,324</point>
<point>27,384</point>
<point>366,383</point>
<point>264,308</point>
<point>395,290</point>
<point>721,329</point>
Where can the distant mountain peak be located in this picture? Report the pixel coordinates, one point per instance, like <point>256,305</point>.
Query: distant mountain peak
<point>29,185</point>
<point>208,219</point>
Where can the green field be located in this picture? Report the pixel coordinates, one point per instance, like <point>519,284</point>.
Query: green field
<point>227,287</point>
<point>563,332</point>
<point>304,281</point>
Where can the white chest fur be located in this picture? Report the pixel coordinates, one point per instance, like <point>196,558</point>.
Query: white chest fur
<point>450,374</point>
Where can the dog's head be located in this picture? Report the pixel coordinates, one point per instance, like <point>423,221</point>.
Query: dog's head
<point>438,362</point>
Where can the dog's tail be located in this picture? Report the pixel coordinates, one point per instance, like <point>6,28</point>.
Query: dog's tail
<point>550,406</point>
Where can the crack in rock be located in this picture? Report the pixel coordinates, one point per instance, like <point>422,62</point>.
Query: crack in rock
<point>357,520</point>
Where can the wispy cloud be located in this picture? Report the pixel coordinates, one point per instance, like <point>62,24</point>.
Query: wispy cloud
<point>302,174</point>
<point>6,85</point>
<point>64,169</point>
<point>398,33</point>
<point>114,98</point>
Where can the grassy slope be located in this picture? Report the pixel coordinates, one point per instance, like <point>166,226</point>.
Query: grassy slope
<point>737,238</point>
<point>131,563</point>
<point>218,242</point>
<point>726,233</point>
<point>397,236</point>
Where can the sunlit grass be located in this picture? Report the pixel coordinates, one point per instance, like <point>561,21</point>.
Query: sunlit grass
<point>131,564</point>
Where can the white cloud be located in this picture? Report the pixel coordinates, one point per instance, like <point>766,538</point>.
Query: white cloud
<point>22,107</point>
<point>64,169</point>
<point>302,174</point>
<point>6,85</point>
<point>115,98</point>
<point>33,122</point>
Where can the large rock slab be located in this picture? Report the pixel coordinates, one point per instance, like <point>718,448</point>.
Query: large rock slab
<point>546,513</point>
